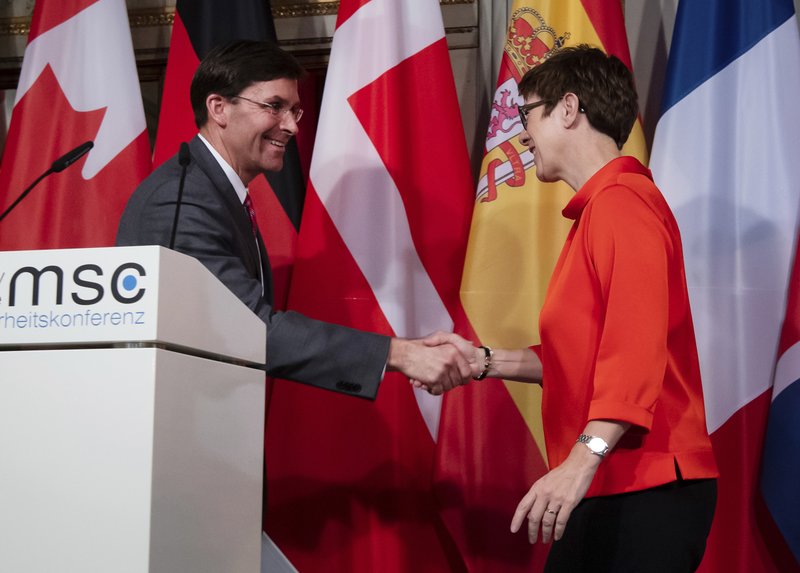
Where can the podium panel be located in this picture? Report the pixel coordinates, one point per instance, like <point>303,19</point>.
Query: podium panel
<point>129,460</point>
<point>131,415</point>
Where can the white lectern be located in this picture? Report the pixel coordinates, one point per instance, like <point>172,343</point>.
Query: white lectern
<point>131,415</point>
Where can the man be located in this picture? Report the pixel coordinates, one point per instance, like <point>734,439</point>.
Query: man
<point>246,107</point>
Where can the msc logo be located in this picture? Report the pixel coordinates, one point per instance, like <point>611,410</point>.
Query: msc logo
<point>124,284</point>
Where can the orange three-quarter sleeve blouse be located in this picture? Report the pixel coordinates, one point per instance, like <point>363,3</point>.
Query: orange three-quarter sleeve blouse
<point>617,336</point>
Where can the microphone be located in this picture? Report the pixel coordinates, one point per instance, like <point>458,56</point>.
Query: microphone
<point>58,165</point>
<point>71,157</point>
<point>184,158</point>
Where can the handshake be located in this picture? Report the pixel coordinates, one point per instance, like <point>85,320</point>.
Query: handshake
<point>438,362</point>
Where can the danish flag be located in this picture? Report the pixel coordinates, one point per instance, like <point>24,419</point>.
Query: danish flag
<point>381,247</point>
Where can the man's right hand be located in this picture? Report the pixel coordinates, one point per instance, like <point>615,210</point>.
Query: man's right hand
<point>471,353</point>
<point>435,368</point>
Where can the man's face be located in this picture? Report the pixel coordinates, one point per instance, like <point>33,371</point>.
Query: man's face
<point>255,135</point>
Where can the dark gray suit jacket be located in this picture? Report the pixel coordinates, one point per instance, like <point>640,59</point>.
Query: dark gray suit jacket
<point>215,229</point>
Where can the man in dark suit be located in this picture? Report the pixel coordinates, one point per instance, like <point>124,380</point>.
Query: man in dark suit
<point>246,106</point>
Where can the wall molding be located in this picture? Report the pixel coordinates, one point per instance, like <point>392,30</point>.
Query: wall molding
<point>294,9</point>
<point>152,17</point>
<point>151,27</point>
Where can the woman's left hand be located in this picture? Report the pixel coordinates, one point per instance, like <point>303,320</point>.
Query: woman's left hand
<point>551,499</point>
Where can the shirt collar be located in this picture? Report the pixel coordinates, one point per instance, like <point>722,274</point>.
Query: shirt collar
<point>233,177</point>
<point>605,176</point>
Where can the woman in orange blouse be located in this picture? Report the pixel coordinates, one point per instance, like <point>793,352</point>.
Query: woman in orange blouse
<point>631,485</point>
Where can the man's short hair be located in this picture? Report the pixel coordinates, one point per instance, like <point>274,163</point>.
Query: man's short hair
<point>228,69</point>
<point>603,84</point>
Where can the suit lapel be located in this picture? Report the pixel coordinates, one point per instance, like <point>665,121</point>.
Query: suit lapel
<point>248,251</point>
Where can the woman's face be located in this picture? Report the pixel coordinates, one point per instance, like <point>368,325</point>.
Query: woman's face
<point>539,138</point>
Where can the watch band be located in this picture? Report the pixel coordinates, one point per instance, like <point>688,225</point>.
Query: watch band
<point>487,362</point>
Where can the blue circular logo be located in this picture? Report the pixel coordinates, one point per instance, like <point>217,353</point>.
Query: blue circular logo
<point>129,283</point>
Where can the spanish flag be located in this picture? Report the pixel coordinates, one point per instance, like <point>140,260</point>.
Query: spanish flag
<point>491,446</point>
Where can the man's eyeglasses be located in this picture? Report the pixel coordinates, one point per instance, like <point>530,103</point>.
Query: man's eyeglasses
<point>275,108</point>
<point>524,109</point>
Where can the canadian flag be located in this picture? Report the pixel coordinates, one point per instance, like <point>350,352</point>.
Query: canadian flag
<point>78,83</point>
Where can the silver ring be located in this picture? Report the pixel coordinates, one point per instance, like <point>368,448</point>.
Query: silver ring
<point>551,511</point>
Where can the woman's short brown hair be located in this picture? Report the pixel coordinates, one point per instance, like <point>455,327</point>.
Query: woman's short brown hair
<point>603,84</point>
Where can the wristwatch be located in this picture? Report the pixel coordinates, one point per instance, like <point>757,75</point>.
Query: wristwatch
<point>597,446</point>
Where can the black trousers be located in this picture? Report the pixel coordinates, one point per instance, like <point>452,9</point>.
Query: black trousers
<point>662,529</point>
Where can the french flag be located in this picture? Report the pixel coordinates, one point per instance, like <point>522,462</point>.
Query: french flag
<point>725,157</point>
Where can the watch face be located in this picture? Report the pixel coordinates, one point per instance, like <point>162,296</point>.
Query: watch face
<point>597,445</point>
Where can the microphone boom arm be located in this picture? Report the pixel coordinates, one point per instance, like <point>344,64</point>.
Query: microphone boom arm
<point>58,165</point>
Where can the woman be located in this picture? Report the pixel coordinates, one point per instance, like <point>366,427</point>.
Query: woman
<point>632,482</point>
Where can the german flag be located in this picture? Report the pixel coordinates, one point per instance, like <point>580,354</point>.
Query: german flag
<point>201,25</point>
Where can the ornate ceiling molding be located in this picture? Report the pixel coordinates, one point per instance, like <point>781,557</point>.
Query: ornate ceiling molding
<point>15,26</point>
<point>294,9</point>
<point>300,9</point>
<point>152,17</point>
<point>138,18</point>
